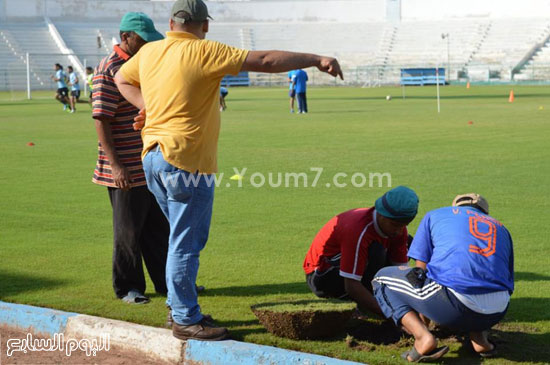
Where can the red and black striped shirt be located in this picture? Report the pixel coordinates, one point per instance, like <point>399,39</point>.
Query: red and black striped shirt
<point>108,104</point>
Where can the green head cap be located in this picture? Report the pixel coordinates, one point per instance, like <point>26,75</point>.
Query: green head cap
<point>140,24</point>
<point>399,204</point>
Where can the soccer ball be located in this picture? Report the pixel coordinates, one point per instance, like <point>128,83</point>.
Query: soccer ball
<point>388,97</point>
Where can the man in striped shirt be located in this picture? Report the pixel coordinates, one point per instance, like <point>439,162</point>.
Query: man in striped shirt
<point>354,245</point>
<point>139,226</point>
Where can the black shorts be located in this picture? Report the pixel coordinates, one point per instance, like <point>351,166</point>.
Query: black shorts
<point>75,93</point>
<point>63,91</point>
<point>330,284</point>
<point>292,93</point>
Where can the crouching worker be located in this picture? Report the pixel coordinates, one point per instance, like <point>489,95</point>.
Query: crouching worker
<point>463,278</point>
<point>354,245</point>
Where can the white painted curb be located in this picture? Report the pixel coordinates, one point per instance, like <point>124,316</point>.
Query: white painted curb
<point>154,342</point>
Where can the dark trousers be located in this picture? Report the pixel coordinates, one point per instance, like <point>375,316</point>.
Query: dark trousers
<point>302,102</point>
<point>329,284</point>
<point>140,230</point>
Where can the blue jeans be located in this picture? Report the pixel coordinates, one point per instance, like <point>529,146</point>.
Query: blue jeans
<point>302,102</point>
<point>188,207</point>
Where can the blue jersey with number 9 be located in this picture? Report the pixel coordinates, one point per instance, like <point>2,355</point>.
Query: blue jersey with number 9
<point>465,250</point>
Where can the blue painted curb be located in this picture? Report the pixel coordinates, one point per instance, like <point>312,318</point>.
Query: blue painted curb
<point>49,322</point>
<point>242,353</point>
<point>41,320</point>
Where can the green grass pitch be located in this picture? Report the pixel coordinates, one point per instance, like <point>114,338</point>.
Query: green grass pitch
<point>55,225</point>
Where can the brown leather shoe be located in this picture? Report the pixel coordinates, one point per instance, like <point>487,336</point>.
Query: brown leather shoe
<point>204,330</point>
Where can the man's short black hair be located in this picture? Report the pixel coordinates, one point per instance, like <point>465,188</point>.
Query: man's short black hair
<point>58,65</point>
<point>69,67</point>
<point>89,68</point>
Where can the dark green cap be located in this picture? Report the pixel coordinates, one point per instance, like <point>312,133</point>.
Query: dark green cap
<point>400,204</point>
<point>140,24</point>
<point>196,9</point>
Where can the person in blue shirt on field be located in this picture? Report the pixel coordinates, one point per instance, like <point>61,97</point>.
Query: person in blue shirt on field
<point>62,94</point>
<point>299,80</point>
<point>75,88</point>
<point>463,279</point>
<point>223,93</point>
<point>291,90</point>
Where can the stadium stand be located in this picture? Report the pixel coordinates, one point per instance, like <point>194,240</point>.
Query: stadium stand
<point>34,38</point>
<point>87,40</point>
<point>508,42</point>
<point>372,52</point>
<point>538,68</point>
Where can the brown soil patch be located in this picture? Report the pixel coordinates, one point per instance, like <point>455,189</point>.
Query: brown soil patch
<point>304,325</point>
<point>114,356</point>
<point>378,332</point>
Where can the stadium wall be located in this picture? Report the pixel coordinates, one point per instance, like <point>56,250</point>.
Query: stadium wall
<point>437,9</point>
<point>274,11</point>
<point>282,10</point>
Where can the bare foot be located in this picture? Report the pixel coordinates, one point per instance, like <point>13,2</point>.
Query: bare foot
<point>480,342</point>
<point>424,345</point>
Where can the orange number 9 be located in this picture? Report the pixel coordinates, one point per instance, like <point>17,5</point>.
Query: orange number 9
<point>490,236</point>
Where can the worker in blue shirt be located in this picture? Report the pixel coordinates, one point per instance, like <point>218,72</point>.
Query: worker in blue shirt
<point>463,279</point>
<point>223,93</point>
<point>299,80</point>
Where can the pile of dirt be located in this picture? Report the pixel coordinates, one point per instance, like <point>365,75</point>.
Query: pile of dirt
<point>300,323</point>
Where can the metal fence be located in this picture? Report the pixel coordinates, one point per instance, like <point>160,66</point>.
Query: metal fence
<point>378,75</point>
<point>33,72</point>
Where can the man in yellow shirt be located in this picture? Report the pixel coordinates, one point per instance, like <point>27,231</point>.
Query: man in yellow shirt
<point>177,81</point>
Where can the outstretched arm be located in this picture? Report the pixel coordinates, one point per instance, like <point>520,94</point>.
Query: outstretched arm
<point>281,61</point>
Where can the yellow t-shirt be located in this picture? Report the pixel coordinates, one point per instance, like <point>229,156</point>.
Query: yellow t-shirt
<point>180,82</point>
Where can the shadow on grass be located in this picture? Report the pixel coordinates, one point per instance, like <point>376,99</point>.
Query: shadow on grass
<point>13,284</point>
<point>260,290</point>
<point>514,342</point>
<point>241,333</point>
<point>529,309</point>
<point>521,343</point>
<point>529,276</point>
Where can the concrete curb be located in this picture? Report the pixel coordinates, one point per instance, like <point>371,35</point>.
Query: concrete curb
<point>42,320</point>
<point>243,353</point>
<point>154,342</point>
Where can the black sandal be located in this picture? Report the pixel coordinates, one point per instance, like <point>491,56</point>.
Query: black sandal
<point>416,357</point>
<point>490,353</point>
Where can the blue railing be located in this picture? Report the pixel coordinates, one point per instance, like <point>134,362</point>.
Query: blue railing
<point>242,79</point>
<point>422,76</point>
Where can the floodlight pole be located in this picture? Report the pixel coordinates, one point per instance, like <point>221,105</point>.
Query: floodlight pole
<point>28,78</point>
<point>85,83</point>
<point>448,37</point>
<point>437,88</point>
